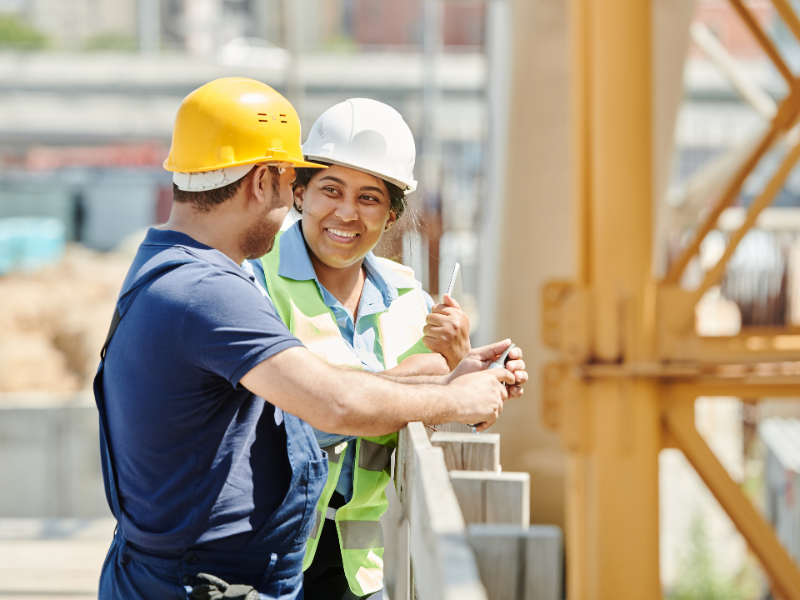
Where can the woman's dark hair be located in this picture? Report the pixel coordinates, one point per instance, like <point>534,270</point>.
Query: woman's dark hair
<point>397,197</point>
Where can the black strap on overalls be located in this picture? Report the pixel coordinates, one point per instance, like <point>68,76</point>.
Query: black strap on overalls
<point>109,474</point>
<point>112,328</point>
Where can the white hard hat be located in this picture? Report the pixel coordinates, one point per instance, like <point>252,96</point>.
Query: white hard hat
<point>368,136</point>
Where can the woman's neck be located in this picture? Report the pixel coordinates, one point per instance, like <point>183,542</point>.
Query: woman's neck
<point>346,284</point>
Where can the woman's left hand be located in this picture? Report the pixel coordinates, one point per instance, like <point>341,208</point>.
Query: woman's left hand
<point>447,331</point>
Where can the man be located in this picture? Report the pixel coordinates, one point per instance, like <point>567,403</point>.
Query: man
<point>205,398</point>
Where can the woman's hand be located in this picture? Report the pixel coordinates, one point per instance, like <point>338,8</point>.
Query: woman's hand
<point>478,359</point>
<point>447,331</point>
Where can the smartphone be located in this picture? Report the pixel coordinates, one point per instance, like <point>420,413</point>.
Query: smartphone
<point>501,362</point>
<point>456,290</point>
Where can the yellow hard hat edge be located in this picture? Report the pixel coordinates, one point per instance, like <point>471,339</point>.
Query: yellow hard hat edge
<point>255,161</point>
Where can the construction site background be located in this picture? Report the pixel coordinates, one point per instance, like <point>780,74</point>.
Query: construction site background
<point>88,94</point>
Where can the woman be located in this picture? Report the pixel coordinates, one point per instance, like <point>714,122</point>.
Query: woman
<point>354,309</point>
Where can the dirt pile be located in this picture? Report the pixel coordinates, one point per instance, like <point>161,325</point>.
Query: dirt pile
<point>53,322</point>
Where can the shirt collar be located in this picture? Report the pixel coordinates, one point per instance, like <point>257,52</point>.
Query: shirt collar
<point>386,275</point>
<point>295,263</point>
<point>169,237</point>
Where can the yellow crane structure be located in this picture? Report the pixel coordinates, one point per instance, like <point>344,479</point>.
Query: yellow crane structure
<point>630,363</point>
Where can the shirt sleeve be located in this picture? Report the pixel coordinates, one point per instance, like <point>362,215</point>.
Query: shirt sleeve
<point>228,329</point>
<point>428,300</point>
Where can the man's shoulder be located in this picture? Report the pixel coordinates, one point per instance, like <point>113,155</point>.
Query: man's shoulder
<point>206,282</point>
<point>180,280</point>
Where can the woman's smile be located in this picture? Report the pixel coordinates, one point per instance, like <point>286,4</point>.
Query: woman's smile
<point>341,236</point>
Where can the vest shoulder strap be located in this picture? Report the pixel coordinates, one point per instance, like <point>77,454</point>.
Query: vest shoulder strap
<point>405,272</point>
<point>271,261</point>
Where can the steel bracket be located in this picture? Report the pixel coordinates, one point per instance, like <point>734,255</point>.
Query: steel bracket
<point>566,320</point>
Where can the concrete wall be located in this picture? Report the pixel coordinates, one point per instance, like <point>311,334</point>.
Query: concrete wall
<point>49,457</point>
<point>538,239</point>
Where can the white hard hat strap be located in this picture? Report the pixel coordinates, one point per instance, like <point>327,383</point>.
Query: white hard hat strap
<point>209,180</point>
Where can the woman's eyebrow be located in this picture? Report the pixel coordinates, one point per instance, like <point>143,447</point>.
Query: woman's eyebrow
<point>372,188</point>
<point>332,178</point>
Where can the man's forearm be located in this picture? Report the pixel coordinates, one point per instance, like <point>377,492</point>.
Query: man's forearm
<point>345,401</point>
<point>389,403</point>
<point>414,379</point>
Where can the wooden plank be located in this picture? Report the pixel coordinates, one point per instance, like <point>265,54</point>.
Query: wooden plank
<point>444,566</point>
<point>396,559</point>
<point>493,497</point>
<point>543,563</point>
<point>443,562</point>
<point>469,452</point>
<point>500,562</point>
<point>410,438</point>
<point>403,584</point>
<point>518,564</point>
<point>507,498</point>
<point>452,450</point>
<point>451,428</point>
<point>470,494</point>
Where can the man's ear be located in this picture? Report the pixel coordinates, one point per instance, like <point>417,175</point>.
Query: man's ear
<point>261,183</point>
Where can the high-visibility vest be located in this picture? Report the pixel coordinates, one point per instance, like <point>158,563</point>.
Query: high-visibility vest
<point>399,331</point>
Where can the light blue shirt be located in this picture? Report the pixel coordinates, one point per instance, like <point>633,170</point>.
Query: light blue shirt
<point>380,290</point>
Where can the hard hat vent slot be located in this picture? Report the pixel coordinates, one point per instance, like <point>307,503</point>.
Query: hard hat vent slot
<point>284,116</point>
<point>264,120</point>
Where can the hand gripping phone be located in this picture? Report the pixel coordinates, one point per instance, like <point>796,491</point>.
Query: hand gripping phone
<point>499,363</point>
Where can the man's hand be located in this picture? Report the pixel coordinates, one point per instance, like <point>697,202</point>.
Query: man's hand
<point>481,396</point>
<point>213,588</point>
<point>479,359</point>
<point>447,331</point>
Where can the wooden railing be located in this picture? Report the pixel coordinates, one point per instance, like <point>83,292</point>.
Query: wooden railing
<point>460,529</point>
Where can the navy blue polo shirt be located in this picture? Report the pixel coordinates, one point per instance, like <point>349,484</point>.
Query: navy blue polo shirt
<point>199,459</point>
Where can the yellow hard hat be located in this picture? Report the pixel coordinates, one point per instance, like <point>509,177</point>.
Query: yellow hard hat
<point>234,121</point>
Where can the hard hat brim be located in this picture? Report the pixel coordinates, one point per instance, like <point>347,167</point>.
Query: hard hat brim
<point>300,164</point>
<point>307,165</point>
<point>405,186</point>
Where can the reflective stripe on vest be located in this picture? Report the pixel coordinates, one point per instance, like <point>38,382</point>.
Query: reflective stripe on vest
<point>334,452</point>
<point>399,332</point>
<point>316,524</point>
<point>374,457</point>
<point>361,535</point>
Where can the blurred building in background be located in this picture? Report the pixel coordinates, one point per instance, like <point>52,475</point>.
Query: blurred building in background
<point>98,97</point>
<point>88,93</point>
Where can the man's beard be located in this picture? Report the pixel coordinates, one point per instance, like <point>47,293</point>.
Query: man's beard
<point>258,239</point>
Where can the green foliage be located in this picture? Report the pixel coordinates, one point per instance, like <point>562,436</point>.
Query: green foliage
<point>17,34</point>
<point>111,41</point>
<point>698,578</point>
